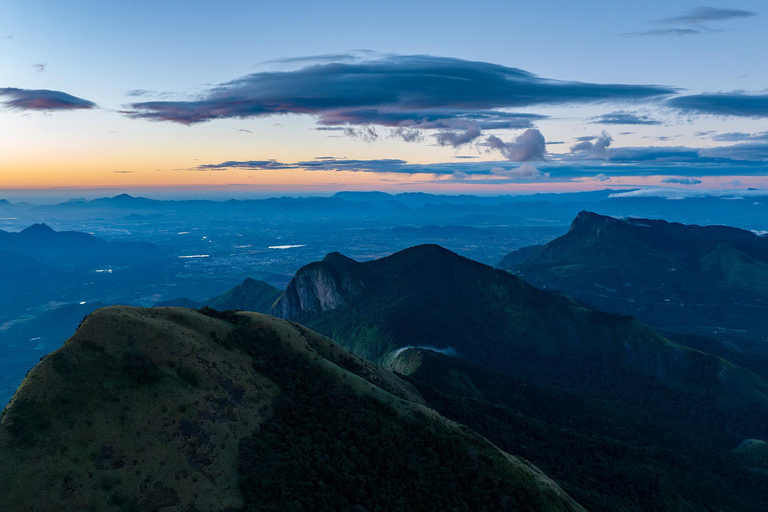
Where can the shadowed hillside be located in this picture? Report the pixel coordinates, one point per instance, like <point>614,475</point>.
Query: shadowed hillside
<point>171,409</point>
<point>707,283</point>
<point>427,296</point>
<point>608,455</point>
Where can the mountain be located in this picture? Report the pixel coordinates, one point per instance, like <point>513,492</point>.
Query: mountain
<point>690,279</point>
<point>58,248</point>
<point>250,295</point>
<point>14,266</point>
<point>174,410</point>
<point>427,296</point>
<point>635,456</point>
<point>181,302</point>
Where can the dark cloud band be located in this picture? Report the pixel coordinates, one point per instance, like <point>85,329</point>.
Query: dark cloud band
<point>417,91</point>
<point>723,104</point>
<point>42,99</point>
<point>624,117</point>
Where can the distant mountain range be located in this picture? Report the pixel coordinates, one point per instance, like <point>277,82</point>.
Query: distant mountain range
<point>709,281</point>
<point>41,243</point>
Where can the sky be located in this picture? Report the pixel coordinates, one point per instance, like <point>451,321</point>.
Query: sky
<point>234,97</point>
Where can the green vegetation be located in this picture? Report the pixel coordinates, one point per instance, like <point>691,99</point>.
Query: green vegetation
<point>683,279</point>
<point>250,295</point>
<point>172,410</point>
<point>608,455</point>
<point>429,296</point>
<point>328,449</point>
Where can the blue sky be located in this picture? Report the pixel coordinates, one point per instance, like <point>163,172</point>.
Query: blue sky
<point>179,52</point>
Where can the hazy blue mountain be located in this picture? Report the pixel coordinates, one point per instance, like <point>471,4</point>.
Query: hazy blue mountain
<point>60,248</point>
<point>250,295</point>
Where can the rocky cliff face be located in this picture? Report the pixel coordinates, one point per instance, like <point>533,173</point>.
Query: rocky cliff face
<point>319,287</point>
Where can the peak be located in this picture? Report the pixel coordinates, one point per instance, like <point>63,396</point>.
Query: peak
<point>585,217</point>
<point>38,229</point>
<point>123,196</point>
<point>336,258</point>
<point>427,250</point>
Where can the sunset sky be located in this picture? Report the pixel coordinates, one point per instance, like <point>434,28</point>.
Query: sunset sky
<point>313,97</point>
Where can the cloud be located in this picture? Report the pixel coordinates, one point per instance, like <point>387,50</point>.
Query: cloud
<point>628,162</point>
<point>437,119</point>
<point>525,173</point>
<point>592,147</point>
<point>600,149</point>
<point>319,164</point>
<point>624,117</point>
<point>739,136</point>
<point>699,15</point>
<point>723,104</point>
<point>756,152</point>
<point>676,32</point>
<point>364,133</point>
<point>416,91</point>
<point>681,181</point>
<point>42,100</point>
<point>530,145</point>
<point>456,139</point>
<point>406,134</point>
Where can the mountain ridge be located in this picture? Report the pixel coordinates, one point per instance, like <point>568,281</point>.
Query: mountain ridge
<point>429,296</point>
<point>191,405</point>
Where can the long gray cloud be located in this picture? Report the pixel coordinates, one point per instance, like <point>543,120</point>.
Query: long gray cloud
<point>681,181</point>
<point>42,99</point>
<point>740,137</point>
<point>699,15</point>
<point>695,21</point>
<point>624,117</point>
<point>415,91</point>
<point>723,104</point>
<point>675,32</point>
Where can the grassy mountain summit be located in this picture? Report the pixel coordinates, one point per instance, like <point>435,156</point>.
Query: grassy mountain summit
<point>680,278</point>
<point>427,296</point>
<point>171,409</point>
